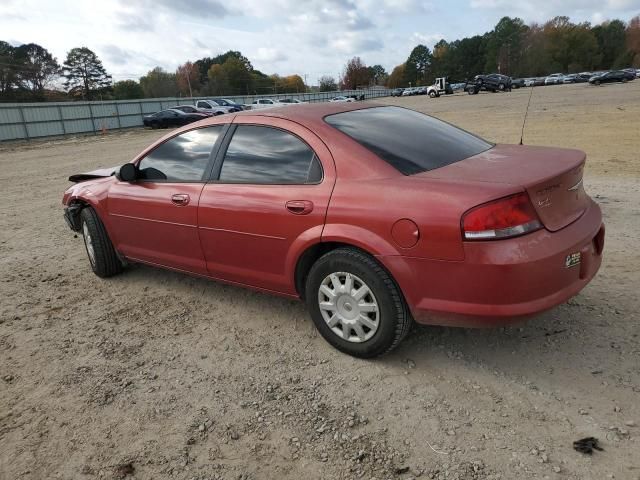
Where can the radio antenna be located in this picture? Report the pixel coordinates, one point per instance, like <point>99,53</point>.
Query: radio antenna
<point>525,115</point>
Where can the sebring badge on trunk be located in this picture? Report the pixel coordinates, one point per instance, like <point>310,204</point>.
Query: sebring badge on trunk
<point>572,260</point>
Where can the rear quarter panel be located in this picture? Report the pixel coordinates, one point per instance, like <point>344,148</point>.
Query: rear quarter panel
<point>364,211</point>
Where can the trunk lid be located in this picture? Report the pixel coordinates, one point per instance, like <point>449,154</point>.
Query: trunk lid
<point>551,176</point>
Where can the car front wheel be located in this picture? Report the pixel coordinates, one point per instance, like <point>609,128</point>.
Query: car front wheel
<point>355,305</point>
<point>102,256</point>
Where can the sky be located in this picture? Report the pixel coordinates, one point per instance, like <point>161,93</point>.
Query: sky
<point>307,37</point>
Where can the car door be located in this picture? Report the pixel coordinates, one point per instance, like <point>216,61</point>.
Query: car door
<point>267,200</point>
<point>154,219</point>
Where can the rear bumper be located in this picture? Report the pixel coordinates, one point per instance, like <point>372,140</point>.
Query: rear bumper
<point>504,281</point>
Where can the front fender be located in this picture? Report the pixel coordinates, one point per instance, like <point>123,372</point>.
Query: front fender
<point>93,194</point>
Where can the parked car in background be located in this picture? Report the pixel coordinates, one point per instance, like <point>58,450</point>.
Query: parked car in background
<point>493,82</point>
<point>225,102</point>
<point>192,109</point>
<point>409,91</point>
<point>397,92</point>
<point>583,77</point>
<point>539,81</point>
<point>171,118</point>
<point>213,106</point>
<point>342,98</point>
<point>517,83</point>
<point>261,103</point>
<point>290,101</point>
<point>295,201</point>
<point>554,79</point>
<point>529,82</point>
<point>571,78</point>
<point>421,90</point>
<point>611,77</point>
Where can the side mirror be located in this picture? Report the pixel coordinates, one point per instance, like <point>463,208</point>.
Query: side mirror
<point>128,173</point>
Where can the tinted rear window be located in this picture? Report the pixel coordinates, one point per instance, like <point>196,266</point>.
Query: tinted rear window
<point>409,141</point>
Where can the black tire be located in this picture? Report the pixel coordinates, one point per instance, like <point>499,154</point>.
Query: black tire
<point>105,262</point>
<point>433,94</point>
<point>394,319</point>
<point>154,125</point>
<point>597,82</point>
<point>501,87</point>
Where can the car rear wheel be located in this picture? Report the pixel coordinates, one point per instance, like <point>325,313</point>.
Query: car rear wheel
<point>154,125</point>
<point>433,94</point>
<point>355,305</point>
<point>102,256</point>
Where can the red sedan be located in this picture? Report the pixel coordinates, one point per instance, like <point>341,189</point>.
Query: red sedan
<point>375,216</point>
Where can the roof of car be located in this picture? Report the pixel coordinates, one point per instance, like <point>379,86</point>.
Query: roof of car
<point>308,111</point>
<point>307,114</point>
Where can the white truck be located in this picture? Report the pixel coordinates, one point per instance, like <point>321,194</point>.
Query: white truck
<point>440,87</point>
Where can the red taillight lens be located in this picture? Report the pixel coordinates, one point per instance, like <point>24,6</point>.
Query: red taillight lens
<point>507,217</point>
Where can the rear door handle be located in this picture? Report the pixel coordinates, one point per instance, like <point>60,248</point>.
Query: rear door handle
<point>180,199</point>
<point>299,207</point>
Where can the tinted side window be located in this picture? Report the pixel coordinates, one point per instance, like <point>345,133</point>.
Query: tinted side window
<point>184,158</point>
<point>409,141</point>
<point>264,155</point>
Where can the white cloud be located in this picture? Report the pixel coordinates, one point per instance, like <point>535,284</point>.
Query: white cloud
<point>315,37</point>
<point>264,54</point>
<point>426,39</point>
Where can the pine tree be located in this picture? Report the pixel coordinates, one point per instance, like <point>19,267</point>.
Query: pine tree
<point>84,73</point>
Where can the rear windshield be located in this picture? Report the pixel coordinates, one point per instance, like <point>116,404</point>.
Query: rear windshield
<point>409,141</point>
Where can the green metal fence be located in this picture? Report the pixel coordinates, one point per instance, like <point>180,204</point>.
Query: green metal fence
<point>26,121</point>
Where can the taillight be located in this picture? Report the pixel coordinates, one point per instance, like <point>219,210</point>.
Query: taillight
<point>503,218</point>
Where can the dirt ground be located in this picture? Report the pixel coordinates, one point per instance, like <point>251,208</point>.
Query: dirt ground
<point>154,374</point>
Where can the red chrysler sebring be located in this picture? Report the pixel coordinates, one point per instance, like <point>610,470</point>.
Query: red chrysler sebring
<point>375,216</point>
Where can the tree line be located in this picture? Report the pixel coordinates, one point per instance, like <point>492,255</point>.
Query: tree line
<point>519,50</point>
<point>29,72</point>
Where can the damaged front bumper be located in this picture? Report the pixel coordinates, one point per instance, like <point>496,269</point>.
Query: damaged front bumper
<point>72,216</point>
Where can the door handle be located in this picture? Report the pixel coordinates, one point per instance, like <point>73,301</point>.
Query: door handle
<point>299,207</point>
<point>180,199</point>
